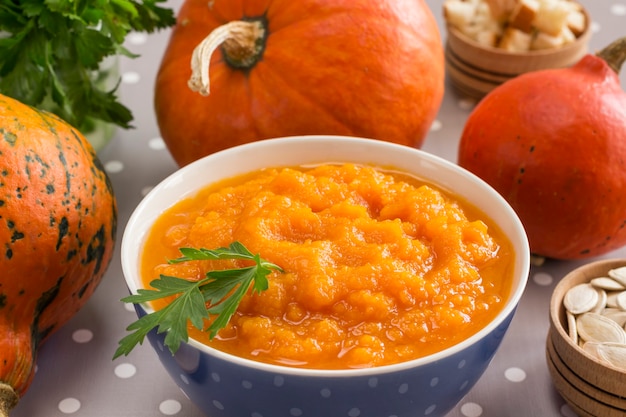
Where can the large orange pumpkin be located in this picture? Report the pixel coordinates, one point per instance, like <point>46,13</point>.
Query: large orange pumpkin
<point>58,223</point>
<point>283,67</point>
<point>553,143</point>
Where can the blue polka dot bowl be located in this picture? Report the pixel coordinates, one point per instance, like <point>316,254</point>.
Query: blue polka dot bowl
<point>222,385</point>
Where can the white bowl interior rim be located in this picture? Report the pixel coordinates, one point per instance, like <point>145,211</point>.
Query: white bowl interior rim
<point>315,149</point>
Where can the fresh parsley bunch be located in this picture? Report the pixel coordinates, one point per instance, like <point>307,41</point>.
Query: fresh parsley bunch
<point>49,49</point>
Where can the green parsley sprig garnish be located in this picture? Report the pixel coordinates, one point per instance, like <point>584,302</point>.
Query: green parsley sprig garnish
<point>220,290</point>
<point>49,50</point>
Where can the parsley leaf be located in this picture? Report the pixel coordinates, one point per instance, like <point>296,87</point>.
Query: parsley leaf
<point>51,51</point>
<point>220,290</point>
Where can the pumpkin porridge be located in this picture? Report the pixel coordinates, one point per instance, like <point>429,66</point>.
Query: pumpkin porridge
<point>379,267</point>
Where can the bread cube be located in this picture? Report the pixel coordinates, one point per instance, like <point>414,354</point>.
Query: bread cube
<point>524,14</point>
<point>501,9</point>
<point>542,40</point>
<point>551,17</point>
<point>458,13</point>
<point>515,40</point>
<point>576,22</point>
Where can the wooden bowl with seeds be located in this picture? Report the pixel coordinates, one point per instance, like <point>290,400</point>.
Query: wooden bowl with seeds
<point>586,343</point>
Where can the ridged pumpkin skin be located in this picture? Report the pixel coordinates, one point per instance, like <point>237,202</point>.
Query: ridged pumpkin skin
<point>350,67</point>
<point>58,220</point>
<point>553,143</point>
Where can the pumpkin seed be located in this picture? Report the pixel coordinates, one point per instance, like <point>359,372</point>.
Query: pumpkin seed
<point>620,300</point>
<point>615,314</point>
<point>611,299</point>
<point>601,304</point>
<point>612,353</point>
<point>593,327</point>
<point>581,298</point>
<point>596,317</point>
<point>571,326</point>
<point>591,348</point>
<point>607,283</point>
<point>618,274</point>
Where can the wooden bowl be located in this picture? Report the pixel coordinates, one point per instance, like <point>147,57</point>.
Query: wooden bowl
<point>585,398</point>
<point>476,69</point>
<point>590,387</point>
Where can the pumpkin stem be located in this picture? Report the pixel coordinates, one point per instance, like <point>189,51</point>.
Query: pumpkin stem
<point>614,54</point>
<point>242,42</point>
<point>8,399</point>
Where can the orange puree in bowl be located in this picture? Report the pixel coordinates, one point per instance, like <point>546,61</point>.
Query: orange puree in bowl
<point>379,267</point>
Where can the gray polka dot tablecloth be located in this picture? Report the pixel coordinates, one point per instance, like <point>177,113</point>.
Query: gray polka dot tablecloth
<point>76,374</point>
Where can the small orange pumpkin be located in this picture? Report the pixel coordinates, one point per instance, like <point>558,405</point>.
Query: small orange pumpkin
<point>281,67</point>
<point>553,143</point>
<point>58,220</point>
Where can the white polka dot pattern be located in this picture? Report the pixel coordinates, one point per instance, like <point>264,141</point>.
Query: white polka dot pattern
<point>618,9</point>
<point>135,38</point>
<point>471,410</point>
<point>170,407</point>
<point>543,279</point>
<point>515,374</point>
<point>466,104</point>
<point>114,167</point>
<point>69,405</point>
<point>130,77</point>
<point>140,156</point>
<point>436,126</point>
<point>82,335</point>
<point>566,411</point>
<point>146,190</point>
<point>125,370</point>
<point>156,144</point>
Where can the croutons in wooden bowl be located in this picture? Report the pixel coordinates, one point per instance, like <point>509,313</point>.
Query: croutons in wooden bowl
<point>586,343</point>
<point>491,41</point>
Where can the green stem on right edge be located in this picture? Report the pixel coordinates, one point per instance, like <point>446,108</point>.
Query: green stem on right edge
<point>614,54</point>
<point>8,399</point>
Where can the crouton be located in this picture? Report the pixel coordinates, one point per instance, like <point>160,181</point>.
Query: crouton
<point>524,14</point>
<point>551,17</point>
<point>515,40</point>
<point>501,9</point>
<point>459,13</point>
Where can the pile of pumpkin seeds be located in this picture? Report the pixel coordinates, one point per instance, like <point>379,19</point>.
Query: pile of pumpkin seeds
<point>596,316</point>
